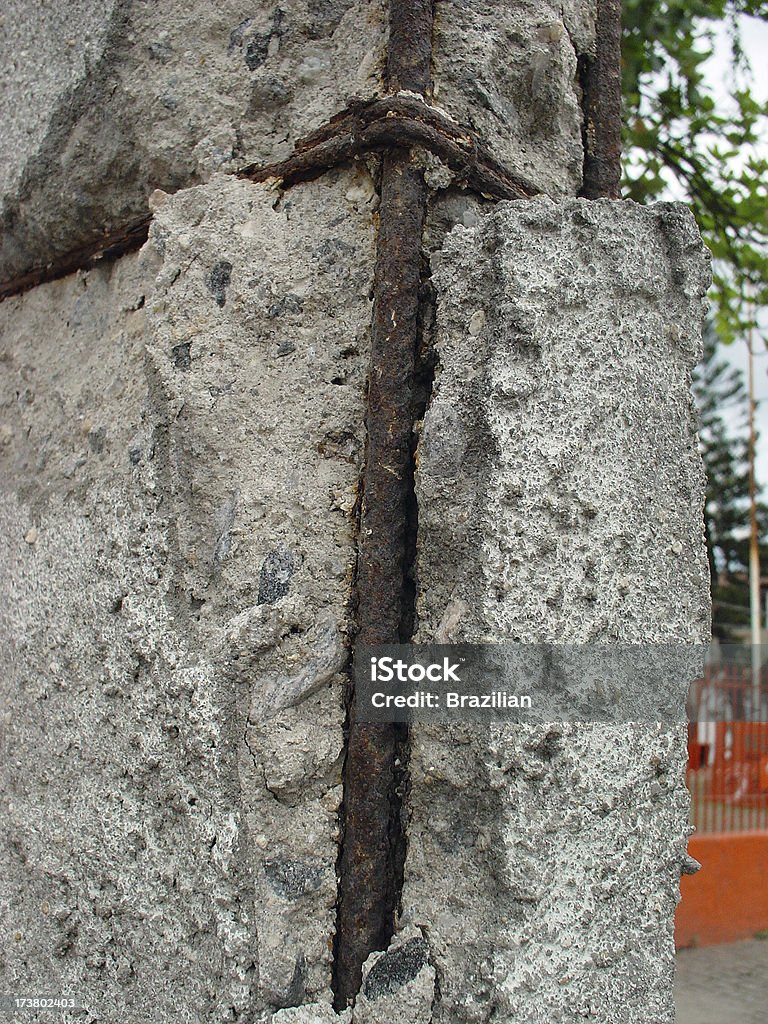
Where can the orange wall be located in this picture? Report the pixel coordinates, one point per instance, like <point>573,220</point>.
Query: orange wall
<point>727,899</point>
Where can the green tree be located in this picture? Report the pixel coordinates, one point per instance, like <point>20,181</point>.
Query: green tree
<point>683,139</point>
<point>680,141</point>
<point>719,389</point>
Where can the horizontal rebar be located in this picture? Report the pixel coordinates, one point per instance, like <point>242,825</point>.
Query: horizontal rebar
<point>374,127</point>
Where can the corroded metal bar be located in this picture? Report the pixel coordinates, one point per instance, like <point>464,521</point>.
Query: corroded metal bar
<point>106,246</point>
<point>370,865</point>
<point>409,57</point>
<point>397,121</point>
<point>375,126</point>
<point>601,85</point>
<point>372,844</point>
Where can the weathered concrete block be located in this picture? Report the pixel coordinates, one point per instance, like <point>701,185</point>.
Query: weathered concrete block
<point>560,500</point>
<point>182,438</point>
<point>107,101</point>
<point>561,430</point>
<point>510,72</point>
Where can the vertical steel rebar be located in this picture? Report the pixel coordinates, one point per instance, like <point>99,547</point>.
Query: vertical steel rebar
<point>601,86</point>
<point>372,851</point>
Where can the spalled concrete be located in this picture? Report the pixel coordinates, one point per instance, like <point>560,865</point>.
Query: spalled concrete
<point>105,103</point>
<point>510,72</point>
<point>560,496</point>
<point>182,443</point>
<point>182,439</point>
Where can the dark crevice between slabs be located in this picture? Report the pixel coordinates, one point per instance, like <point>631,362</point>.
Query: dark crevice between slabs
<point>349,689</point>
<point>372,852</point>
<point>600,82</point>
<point>424,377</point>
<point>423,383</point>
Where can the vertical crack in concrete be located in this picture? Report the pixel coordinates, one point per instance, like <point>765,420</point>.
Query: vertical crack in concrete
<point>600,81</point>
<point>373,843</point>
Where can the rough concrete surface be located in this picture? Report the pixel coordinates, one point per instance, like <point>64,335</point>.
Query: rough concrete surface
<point>104,103</point>
<point>182,435</point>
<point>560,496</point>
<point>509,72</point>
<point>182,439</point>
<point>561,431</point>
<point>46,52</point>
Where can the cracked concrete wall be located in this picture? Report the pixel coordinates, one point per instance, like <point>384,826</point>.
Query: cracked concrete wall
<point>182,435</point>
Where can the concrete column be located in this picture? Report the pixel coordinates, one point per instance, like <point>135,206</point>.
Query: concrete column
<point>183,437</point>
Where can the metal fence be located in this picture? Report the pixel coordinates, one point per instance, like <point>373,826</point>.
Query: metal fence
<point>728,750</point>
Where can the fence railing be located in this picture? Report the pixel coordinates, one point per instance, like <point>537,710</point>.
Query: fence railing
<point>728,750</point>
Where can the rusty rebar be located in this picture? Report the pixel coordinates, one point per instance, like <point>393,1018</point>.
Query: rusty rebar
<point>409,55</point>
<point>375,126</point>
<point>600,78</point>
<point>105,246</point>
<point>372,851</point>
<point>370,869</point>
<point>380,124</point>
